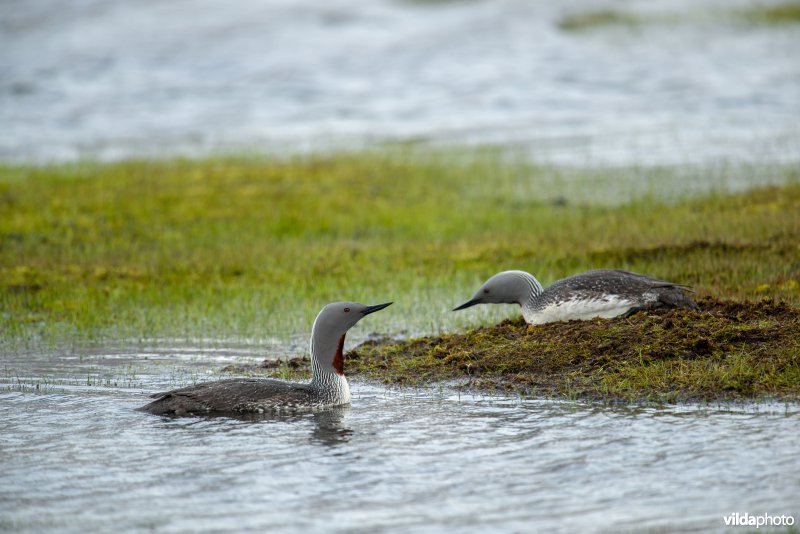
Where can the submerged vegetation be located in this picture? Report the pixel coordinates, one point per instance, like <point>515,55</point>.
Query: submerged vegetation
<point>249,249</point>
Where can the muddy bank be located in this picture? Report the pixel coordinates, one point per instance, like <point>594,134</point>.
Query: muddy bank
<point>725,351</point>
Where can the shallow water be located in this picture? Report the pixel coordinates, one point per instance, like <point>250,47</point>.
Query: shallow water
<point>77,457</point>
<point>112,79</point>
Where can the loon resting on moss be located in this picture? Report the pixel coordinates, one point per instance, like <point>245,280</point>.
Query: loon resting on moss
<point>328,386</point>
<point>598,293</point>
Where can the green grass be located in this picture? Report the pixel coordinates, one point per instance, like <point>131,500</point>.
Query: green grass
<point>252,248</point>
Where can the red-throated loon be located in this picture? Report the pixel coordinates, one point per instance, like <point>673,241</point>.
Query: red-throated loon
<point>328,386</point>
<point>599,293</point>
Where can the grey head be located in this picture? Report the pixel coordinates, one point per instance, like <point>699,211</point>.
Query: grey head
<point>507,287</point>
<point>330,327</point>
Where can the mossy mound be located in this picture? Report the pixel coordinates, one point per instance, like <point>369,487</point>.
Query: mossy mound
<point>725,351</point>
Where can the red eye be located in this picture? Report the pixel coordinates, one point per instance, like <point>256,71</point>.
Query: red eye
<point>347,310</point>
<point>486,291</point>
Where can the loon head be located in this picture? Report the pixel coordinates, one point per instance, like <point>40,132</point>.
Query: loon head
<point>330,327</point>
<point>507,287</point>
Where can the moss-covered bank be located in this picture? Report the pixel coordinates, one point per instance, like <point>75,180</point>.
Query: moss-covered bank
<point>726,351</point>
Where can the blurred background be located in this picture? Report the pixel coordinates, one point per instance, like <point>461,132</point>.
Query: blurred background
<point>578,82</point>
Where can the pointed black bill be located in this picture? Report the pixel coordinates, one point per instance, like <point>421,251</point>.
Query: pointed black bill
<point>467,304</point>
<point>376,307</point>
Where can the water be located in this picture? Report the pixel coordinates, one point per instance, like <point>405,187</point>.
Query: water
<point>77,457</point>
<point>115,78</point>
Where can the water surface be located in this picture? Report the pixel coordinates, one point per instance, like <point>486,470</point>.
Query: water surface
<point>114,78</point>
<point>77,457</point>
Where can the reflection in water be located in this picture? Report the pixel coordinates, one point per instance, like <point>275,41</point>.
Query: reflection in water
<point>328,426</point>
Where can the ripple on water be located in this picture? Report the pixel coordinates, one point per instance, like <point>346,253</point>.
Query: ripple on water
<point>396,458</point>
<point>280,76</point>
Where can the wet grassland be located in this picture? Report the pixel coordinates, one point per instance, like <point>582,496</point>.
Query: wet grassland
<point>247,249</point>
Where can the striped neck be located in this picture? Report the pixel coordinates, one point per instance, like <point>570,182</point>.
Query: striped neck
<point>532,290</point>
<point>327,370</point>
<point>529,301</point>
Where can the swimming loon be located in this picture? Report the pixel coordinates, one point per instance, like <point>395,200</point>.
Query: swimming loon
<point>328,386</point>
<point>598,293</point>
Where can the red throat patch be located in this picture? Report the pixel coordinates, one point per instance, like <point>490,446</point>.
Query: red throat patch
<point>338,359</point>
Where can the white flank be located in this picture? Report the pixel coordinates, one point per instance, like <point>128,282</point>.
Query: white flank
<point>578,309</point>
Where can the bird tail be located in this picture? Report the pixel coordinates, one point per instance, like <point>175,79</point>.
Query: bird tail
<point>674,297</point>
